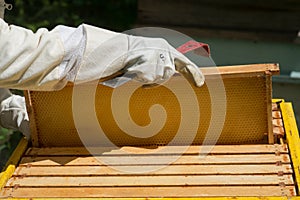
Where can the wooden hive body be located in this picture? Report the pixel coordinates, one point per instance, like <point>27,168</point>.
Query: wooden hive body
<point>247,160</point>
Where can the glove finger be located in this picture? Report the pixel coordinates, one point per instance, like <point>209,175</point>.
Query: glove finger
<point>191,72</point>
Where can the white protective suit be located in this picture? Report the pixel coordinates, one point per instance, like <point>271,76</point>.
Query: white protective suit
<point>47,60</point>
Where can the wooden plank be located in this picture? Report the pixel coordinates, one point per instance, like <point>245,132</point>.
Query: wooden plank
<point>277,122</point>
<point>226,191</point>
<point>278,130</point>
<point>149,180</point>
<point>275,107</point>
<point>31,114</point>
<point>242,70</point>
<point>191,150</point>
<point>276,115</point>
<point>171,169</point>
<point>271,137</point>
<point>156,160</point>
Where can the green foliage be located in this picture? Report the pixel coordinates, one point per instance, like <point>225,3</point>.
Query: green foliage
<point>4,138</point>
<point>5,145</point>
<point>8,142</point>
<point>112,14</point>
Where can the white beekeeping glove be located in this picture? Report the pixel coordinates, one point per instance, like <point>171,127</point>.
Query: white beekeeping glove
<point>150,60</point>
<point>13,113</point>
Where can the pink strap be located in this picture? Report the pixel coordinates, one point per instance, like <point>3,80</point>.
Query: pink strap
<point>198,48</point>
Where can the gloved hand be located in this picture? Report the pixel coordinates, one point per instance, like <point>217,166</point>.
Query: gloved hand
<point>154,61</point>
<point>149,60</point>
<point>13,113</point>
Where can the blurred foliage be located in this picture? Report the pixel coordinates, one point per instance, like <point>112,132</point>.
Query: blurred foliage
<point>5,145</point>
<point>117,15</point>
<point>4,138</point>
<point>8,142</point>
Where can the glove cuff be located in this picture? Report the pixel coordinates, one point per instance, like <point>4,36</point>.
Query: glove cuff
<point>104,54</point>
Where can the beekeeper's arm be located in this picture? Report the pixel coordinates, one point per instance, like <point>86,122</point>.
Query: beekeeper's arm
<point>48,60</point>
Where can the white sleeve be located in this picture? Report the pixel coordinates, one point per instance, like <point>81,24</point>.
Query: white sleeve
<point>41,60</point>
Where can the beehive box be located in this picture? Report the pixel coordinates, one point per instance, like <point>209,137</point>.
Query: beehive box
<point>256,154</point>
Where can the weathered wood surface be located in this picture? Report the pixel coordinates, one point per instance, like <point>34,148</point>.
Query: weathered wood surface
<point>250,169</point>
<point>149,180</point>
<point>276,115</point>
<point>277,121</point>
<point>227,170</point>
<point>178,191</point>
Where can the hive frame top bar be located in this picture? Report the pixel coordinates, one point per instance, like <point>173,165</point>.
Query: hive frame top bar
<point>242,69</point>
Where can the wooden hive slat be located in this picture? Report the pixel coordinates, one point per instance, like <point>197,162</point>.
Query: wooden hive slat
<point>234,174</point>
<point>149,180</point>
<point>130,192</point>
<point>125,150</point>
<point>129,160</point>
<point>250,169</point>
